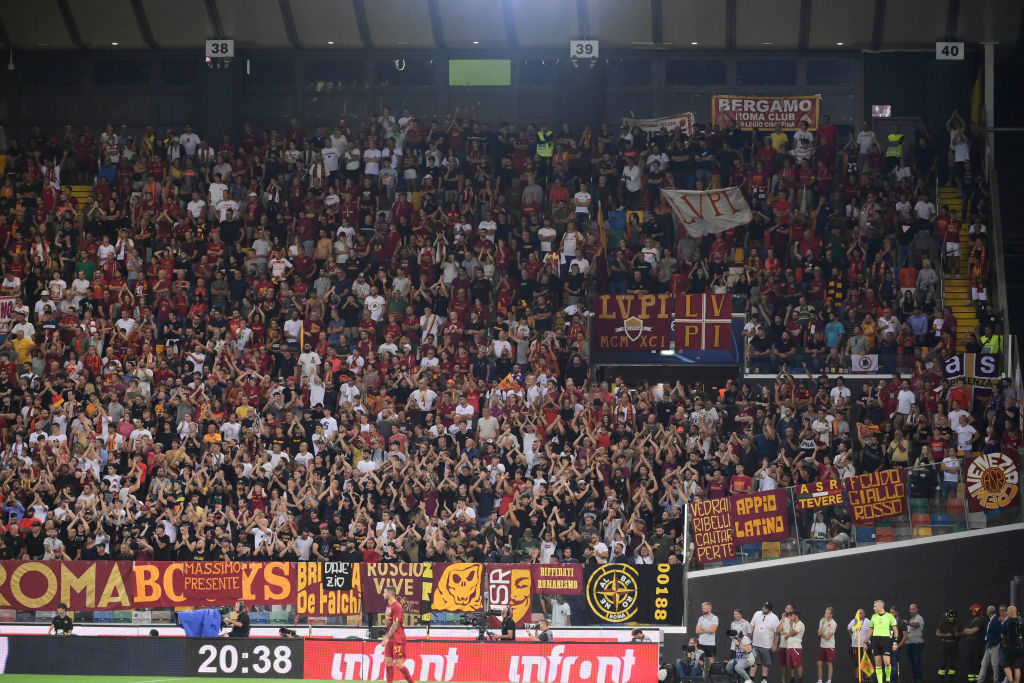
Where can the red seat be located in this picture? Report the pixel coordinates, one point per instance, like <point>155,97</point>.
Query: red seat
<point>885,534</point>
<point>920,519</point>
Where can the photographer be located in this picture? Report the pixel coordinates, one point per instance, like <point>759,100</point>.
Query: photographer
<point>238,621</point>
<point>508,625</point>
<point>691,666</point>
<point>62,624</point>
<point>541,632</point>
<point>743,657</point>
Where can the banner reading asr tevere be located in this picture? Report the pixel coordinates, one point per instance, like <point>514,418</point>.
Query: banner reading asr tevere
<point>762,112</point>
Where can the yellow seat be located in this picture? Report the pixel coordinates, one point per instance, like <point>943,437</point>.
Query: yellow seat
<point>922,531</point>
<point>771,550</point>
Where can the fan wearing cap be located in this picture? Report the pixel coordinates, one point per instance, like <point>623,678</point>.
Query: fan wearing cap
<point>764,626</point>
<point>974,640</point>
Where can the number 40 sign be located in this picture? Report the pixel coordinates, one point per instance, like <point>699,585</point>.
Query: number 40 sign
<point>583,49</point>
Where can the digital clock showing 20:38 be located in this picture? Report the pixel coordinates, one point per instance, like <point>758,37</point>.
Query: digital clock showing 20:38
<point>244,658</point>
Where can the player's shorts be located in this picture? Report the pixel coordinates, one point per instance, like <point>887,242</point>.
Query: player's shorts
<point>764,656</point>
<point>881,646</point>
<point>826,654</point>
<point>395,649</point>
<point>782,655</point>
<point>794,657</point>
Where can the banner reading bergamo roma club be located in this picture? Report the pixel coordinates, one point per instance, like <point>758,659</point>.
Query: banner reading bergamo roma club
<point>685,122</point>
<point>432,661</point>
<point>876,495</point>
<point>708,212</point>
<point>762,112</point>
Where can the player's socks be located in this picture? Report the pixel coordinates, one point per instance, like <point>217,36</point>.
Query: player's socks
<point>390,674</point>
<point>888,673</point>
<point>405,674</point>
<point>878,675</point>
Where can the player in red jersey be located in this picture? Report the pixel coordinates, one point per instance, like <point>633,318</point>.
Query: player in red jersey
<point>394,638</point>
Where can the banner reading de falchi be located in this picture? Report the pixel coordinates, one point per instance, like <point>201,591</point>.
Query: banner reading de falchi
<point>754,112</point>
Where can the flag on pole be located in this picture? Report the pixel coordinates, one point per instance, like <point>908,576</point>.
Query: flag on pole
<point>509,384</point>
<point>865,664</point>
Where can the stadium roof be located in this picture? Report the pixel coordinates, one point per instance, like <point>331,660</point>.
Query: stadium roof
<point>501,24</point>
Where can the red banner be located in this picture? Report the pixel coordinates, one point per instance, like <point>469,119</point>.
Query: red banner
<point>877,495</point>
<point>713,538</point>
<point>703,322</point>
<point>458,587</point>
<point>633,322</point>
<point>510,585</point>
<point>557,579</point>
<point>432,661</point>
<point>762,516</point>
<point>993,482</point>
<point>311,598</point>
<point>819,494</point>
<point>162,584</point>
<point>83,586</point>
<point>410,581</point>
<point>758,112</point>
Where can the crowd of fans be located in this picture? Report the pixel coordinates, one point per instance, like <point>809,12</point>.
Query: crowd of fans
<point>369,342</point>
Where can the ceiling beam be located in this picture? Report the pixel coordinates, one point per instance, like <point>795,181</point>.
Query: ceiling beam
<point>362,24</point>
<point>70,24</point>
<point>436,30</point>
<point>731,12</point>
<point>583,17</point>
<point>657,31</point>
<point>213,12</point>
<point>878,25</point>
<point>952,18</point>
<point>5,37</point>
<point>143,21</point>
<point>510,24</point>
<point>805,25</point>
<point>288,19</point>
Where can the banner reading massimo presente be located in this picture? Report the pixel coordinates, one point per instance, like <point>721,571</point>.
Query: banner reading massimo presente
<point>162,584</point>
<point>684,122</point>
<point>758,112</point>
<point>707,212</point>
<point>876,495</point>
<point>642,594</point>
<point>993,482</point>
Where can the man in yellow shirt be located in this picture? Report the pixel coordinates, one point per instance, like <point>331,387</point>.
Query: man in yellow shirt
<point>780,141</point>
<point>23,347</point>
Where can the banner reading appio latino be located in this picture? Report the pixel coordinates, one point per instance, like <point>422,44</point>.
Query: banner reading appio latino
<point>521,662</point>
<point>758,112</point>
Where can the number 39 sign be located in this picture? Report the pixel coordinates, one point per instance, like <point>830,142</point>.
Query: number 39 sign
<point>583,49</point>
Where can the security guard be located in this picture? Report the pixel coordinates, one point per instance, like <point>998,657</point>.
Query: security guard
<point>545,146</point>
<point>974,640</point>
<point>894,147</point>
<point>949,634</point>
<point>991,342</point>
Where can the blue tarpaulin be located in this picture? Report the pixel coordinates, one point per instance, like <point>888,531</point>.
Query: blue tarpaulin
<point>200,623</point>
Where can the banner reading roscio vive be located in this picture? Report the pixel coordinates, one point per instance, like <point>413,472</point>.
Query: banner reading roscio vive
<point>993,482</point>
<point>708,212</point>
<point>411,581</point>
<point>876,495</point>
<point>762,112</point>
<point>684,122</point>
<point>432,661</point>
<point>634,594</point>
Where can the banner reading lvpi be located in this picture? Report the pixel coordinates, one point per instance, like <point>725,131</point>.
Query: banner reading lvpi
<point>708,211</point>
<point>684,122</point>
<point>633,322</point>
<point>877,495</point>
<point>756,112</point>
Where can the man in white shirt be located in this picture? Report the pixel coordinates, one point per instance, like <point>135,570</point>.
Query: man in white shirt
<point>501,344</point>
<point>423,398</point>
<point>546,235</point>
<point>309,360</point>
<point>765,639</point>
<point>430,324</point>
<point>189,140</point>
<point>375,304</point>
<point>707,629</point>
<point>465,411</point>
<point>196,206</point>
<point>231,430</point>
<point>904,400</point>
<point>581,200</point>
<point>217,191</point>
<point>631,174</point>
<point>331,158</point>
<point>489,227</point>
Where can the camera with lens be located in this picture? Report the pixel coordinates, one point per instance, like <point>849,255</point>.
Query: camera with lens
<point>689,649</point>
<point>733,633</point>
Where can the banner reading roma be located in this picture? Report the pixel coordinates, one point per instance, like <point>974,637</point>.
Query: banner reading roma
<point>509,585</point>
<point>818,495</point>
<point>433,661</point>
<point>641,594</point>
<point>162,584</point>
<point>877,495</point>
<point>704,322</point>
<point>762,516</point>
<point>83,586</point>
<point>993,482</point>
<point>707,212</point>
<point>557,579</point>
<point>314,595</point>
<point>713,538</point>
<point>458,587</point>
<point>633,322</point>
<point>407,579</point>
<point>684,122</point>
<point>757,112</point>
